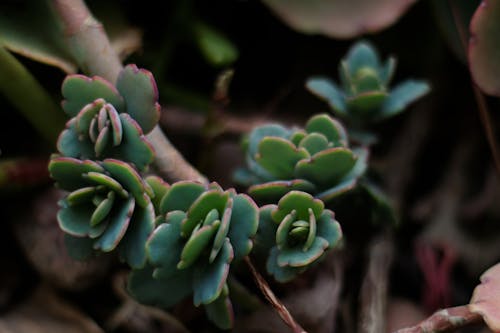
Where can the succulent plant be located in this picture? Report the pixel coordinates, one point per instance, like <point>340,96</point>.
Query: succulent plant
<point>296,233</point>
<point>201,231</point>
<point>364,95</point>
<point>110,121</point>
<point>108,207</point>
<point>316,160</point>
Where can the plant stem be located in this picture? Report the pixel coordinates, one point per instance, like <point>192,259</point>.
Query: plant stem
<point>273,300</point>
<point>28,96</point>
<point>446,320</point>
<point>92,50</point>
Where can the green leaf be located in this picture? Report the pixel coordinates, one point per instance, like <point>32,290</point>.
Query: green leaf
<point>160,188</point>
<point>181,196</point>
<point>484,47</point>
<point>328,91</point>
<point>223,230</point>
<point>75,220</point>
<point>329,127</point>
<point>69,143</point>
<point>314,143</point>
<point>300,202</point>
<point>259,133</point>
<point>79,90</point>
<point>266,234</point>
<point>281,274</point>
<point>297,257</point>
<point>273,191</point>
<point>102,210</point>
<point>195,245</point>
<point>67,172</point>
<point>209,278</point>
<point>387,71</point>
<point>243,225</point>
<point>165,245</point>
<point>402,95</point>
<point>138,88</point>
<point>367,103</point>
<point>326,167</point>
<point>79,248</point>
<point>344,186</point>
<point>132,247</point>
<point>215,47</point>
<point>201,207</point>
<point>284,228</point>
<point>163,293</point>
<point>220,312</point>
<point>362,54</point>
<point>134,147</point>
<point>329,229</point>
<point>129,178</point>
<point>278,156</point>
<point>118,223</point>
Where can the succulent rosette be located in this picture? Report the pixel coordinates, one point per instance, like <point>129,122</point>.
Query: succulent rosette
<point>295,234</point>
<point>108,120</point>
<point>108,207</point>
<point>316,160</point>
<point>364,94</point>
<point>201,231</point>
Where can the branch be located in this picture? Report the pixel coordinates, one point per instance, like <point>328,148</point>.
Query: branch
<point>447,320</point>
<point>92,50</point>
<point>273,300</point>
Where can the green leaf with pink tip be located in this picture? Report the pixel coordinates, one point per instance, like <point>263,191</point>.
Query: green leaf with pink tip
<point>165,244</point>
<point>300,202</point>
<point>326,167</point>
<point>160,188</point>
<point>196,244</point>
<point>129,178</point>
<point>75,220</point>
<point>79,90</point>
<point>134,147</point>
<point>329,229</point>
<point>69,143</point>
<point>484,47</point>
<point>297,257</point>
<point>278,156</point>
<point>201,207</point>
<point>209,278</point>
<point>67,172</point>
<point>280,274</point>
<point>163,293</point>
<point>328,91</point>
<point>181,196</point>
<point>119,221</point>
<point>273,191</point>
<point>329,127</point>
<point>138,88</point>
<point>243,226</point>
<point>223,230</point>
<point>132,249</point>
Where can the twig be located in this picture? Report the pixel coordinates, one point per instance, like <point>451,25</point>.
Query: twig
<point>447,320</point>
<point>273,300</point>
<point>375,286</point>
<point>92,50</point>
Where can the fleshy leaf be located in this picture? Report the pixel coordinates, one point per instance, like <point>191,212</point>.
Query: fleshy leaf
<point>297,257</point>
<point>326,167</point>
<point>221,312</point>
<point>75,220</point>
<point>300,202</point>
<point>201,207</point>
<point>272,191</point>
<point>314,143</point>
<point>279,156</point>
<point>329,127</point>
<point>259,133</point>
<point>79,90</point>
<point>484,47</point>
<point>160,188</point>
<point>329,228</point>
<point>118,223</point>
<point>328,91</point>
<point>138,88</point>
<point>401,96</point>
<point>266,234</point>
<point>362,54</point>
<point>181,196</point>
<point>67,172</point>
<point>163,293</point>
<point>165,245</point>
<point>132,248</point>
<point>70,145</point>
<point>129,178</point>
<point>281,274</point>
<point>209,278</point>
<point>243,225</point>
<point>196,244</point>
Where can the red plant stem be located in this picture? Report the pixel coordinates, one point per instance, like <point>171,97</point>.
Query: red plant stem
<point>91,48</point>
<point>273,300</point>
<point>446,320</point>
